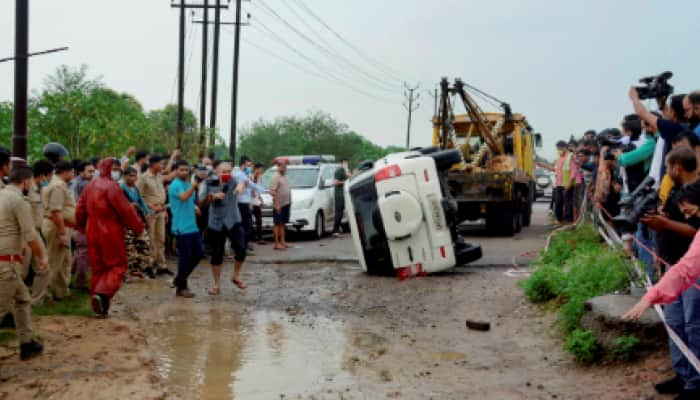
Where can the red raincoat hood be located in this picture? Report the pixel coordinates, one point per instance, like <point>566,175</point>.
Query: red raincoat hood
<point>105,168</point>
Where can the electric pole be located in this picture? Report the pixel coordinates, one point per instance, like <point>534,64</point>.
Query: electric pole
<point>215,74</point>
<point>203,95</point>
<point>234,90</point>
<point>181,63</point>
<point>19,137</point>
<point>411,97</point>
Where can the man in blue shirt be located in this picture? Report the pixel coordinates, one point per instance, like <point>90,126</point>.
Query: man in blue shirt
<point>184,227</point>
<point>246,197</point>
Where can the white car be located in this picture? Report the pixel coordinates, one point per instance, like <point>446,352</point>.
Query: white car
<point>313,201</point>
<point>402,218</point>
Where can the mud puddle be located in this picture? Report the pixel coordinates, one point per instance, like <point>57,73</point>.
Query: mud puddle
<point>216,352</point>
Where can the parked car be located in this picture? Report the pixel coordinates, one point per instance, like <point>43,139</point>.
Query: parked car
<point>313,203</point>
<point>402,218</point>
<point>545,182</point>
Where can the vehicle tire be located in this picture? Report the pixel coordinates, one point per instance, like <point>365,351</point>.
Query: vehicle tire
<point>501,219</point>
<point>527,209</point>
<point>319,227</point>
<point>445,159</point>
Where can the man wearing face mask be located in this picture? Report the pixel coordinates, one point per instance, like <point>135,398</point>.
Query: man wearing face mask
<point>102,214</point>
<point>245,198</point>
<point>674,234</point>
<point>59,216</point>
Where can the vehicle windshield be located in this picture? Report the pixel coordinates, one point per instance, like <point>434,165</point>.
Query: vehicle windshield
<point>299,178</point>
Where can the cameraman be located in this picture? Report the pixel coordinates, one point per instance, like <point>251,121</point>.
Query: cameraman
<point>673,121</point>
<point>674,233</point>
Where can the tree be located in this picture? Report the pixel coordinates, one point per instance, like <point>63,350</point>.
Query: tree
<point>164,131</point>
<point>316,133</point>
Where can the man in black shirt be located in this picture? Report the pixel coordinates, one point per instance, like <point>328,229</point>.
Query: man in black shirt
<point>674,118</point>
<point>674,233</point>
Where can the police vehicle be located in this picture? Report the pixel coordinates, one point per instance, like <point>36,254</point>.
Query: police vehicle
<point>402,217</point>
<point>313,202</point>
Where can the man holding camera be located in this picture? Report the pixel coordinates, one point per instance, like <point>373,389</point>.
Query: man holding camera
<point>674,233</point>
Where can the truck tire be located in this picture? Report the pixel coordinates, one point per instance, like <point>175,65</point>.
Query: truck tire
<point>527,209</point>
<point>502,219</point>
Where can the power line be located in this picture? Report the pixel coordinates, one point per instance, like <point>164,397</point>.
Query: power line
<point>378,65</point>
<point>268,32</point>
<point>344,62</point>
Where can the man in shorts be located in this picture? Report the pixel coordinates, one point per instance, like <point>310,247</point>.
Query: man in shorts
<point>281,201</point>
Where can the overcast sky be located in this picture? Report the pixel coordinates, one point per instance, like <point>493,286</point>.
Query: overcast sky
<point>567,65</point>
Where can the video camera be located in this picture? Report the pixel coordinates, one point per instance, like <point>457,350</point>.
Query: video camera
<point>655,86</point>
<point>611,138</point>
<point>643,200</point>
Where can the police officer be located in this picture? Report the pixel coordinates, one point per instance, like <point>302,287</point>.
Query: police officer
<point>16,230</point>
<point>55,152</point>
<point>59,215</point>
<point>43,172</point>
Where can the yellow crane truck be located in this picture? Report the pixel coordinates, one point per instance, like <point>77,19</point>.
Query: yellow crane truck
<point>496,178</point>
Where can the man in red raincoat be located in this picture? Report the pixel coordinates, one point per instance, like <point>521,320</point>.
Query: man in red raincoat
<point>102,213</point>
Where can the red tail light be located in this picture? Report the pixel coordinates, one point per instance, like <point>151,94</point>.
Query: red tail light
<point>410,271</point>
<point>425,173</point>
<point>389,172</point>
<point>443,253</point>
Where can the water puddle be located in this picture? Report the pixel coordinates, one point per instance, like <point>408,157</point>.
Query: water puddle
<point>209,351</point>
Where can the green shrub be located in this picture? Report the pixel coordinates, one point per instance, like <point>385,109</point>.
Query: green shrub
<point>583,345</point>
<point>564,243</point>
<point>625,348</point>
<point>544,284</point>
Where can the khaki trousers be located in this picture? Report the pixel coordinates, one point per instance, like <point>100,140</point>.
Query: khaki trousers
<point>156,232</point>
<point>59,260</point>
<point>13,292</point>
<point>40,287</point>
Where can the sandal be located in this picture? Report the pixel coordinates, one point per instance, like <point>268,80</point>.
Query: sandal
<point>214,291</point>
<point>239,283</point>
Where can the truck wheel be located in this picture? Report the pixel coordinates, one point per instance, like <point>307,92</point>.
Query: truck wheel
<point>527,209</point>
<point>501,219</point>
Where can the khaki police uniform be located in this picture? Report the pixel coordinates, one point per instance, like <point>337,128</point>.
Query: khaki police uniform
<point>153,192</point>
<point>57,197</point>
<point>16,230</point>
<point>40,287</point>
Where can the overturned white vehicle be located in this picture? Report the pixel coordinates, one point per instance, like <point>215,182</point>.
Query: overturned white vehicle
<point>402,217</point>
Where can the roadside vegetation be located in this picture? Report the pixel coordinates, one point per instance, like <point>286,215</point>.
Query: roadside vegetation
<point>577,267</point>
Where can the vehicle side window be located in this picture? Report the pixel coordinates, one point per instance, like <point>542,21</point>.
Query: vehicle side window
<point>327,174</point>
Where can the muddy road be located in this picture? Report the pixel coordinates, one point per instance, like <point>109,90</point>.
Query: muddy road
<point>325,330</point>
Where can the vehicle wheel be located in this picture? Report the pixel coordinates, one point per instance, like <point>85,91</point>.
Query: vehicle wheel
<point>319,227</point>
<point>501,219</point>
<point>527,209</point>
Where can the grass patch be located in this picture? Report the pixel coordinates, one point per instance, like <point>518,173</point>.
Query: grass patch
<point>576,268</point>
<point>77,304</point>
<point>7,335</point>
<point>625,348</point>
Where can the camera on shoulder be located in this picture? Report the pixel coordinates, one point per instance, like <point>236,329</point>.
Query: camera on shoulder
<point>655,86</point>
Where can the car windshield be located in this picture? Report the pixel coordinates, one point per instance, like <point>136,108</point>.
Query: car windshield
<point>299,178</point>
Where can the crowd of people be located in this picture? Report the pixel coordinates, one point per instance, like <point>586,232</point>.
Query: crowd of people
<point>115,219</point>
<point>657,154</point>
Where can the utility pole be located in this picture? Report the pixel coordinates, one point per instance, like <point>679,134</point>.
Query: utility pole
<point>181,79</point>
<point>215,75</point>
<point>411,98</point>
<point>203,96</point>
<point>234,90</point>
<point>19,137</point>
<point>434,95</point>
<point>181,62</point>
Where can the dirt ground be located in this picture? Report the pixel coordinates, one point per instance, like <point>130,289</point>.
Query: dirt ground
<point>324,331</point>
